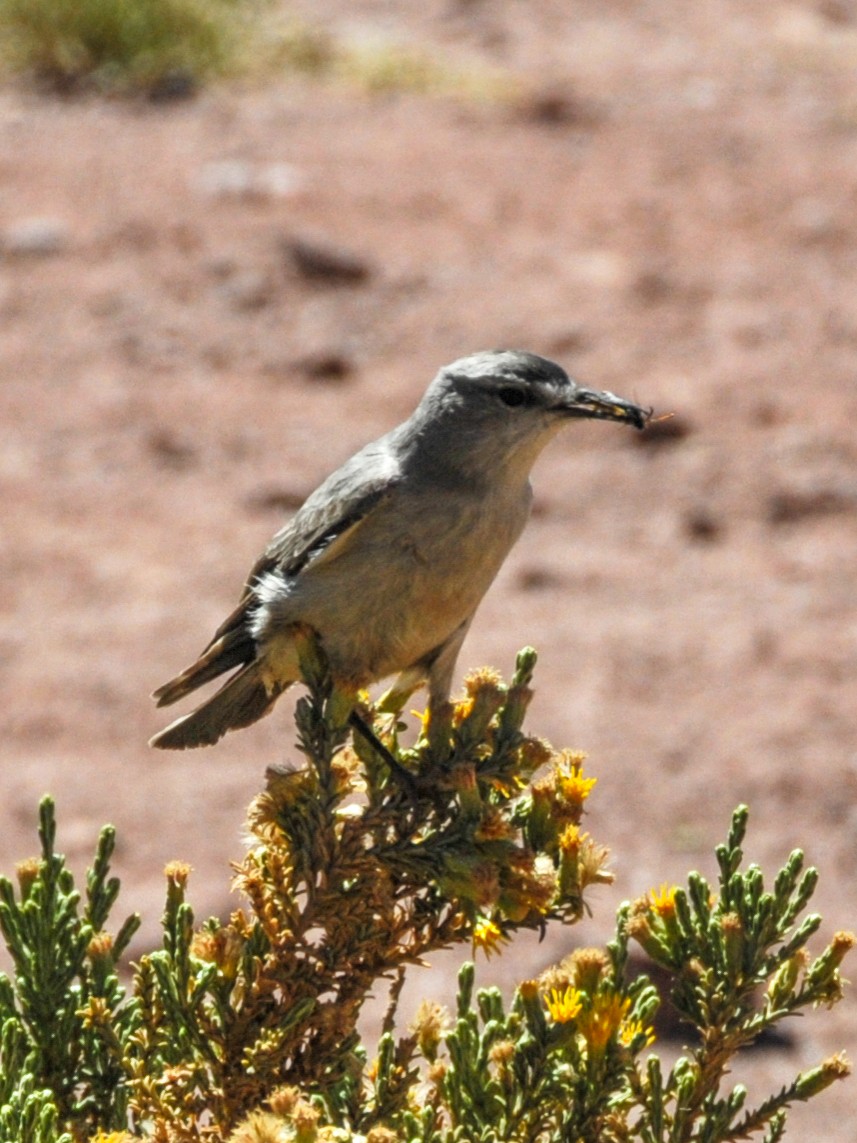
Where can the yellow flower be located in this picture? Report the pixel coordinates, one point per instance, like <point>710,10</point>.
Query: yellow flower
<point>506,787</point>
<point>564,1006</point>
<point>603,1021</point>
<point>662,901</point>
<point>488,936</point>
<point>571,784</point>
<point>424,718</point>
<point>462,710</point>
<point>631,1029</point>
<point>570,839</point>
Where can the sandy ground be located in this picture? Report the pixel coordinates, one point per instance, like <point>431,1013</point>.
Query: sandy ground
<point>667,207</point>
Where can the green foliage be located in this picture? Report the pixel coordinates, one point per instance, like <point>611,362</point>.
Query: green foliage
<point>65,965</point>
<point>164,46</point>
<point>247,1029</point>
<point>118,44</point>
<point>382,66</point>
<point>739,964</point>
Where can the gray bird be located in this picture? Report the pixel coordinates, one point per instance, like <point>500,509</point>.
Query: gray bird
<point>389,558</point>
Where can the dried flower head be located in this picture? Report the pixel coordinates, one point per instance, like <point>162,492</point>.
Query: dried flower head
<point>100,947</point>
<point>535,752</point>
<point>502,1056</point>
<point>221,946</point>
<point>429,1026</point>
<point>261,1127</point>
<point>483,678</point>
<point>178,872</point>
<point>382,1135</point>
<point>494,826</point>
<point>27,872</point>
<point>283,1100</point>
<point>587,968</point>
<point>305,1118</point>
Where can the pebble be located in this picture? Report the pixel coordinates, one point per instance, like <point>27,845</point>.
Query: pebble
<point>325,365</point>
<point>236,178</point>
<point>319,260</point>
<point>35,238</point>
<point>247,290</point>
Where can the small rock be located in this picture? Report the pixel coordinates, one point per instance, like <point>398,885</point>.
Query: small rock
<point>558,107</point>
<point>169,450</point>
<point>235,178</point>
<point>226,178</point>
<point>654,286</point>
<point>815,223</point>
<point>36,238</point>
<point>325,365</point>
<point>838,11</point>
<point>247,290</point>
<point>321,261</point>
<point>279,180</point>
<point>222,266</point>
<point>790,505</point>
<point>537,579</point>
<point>702,525</point>
<point>173,85</point>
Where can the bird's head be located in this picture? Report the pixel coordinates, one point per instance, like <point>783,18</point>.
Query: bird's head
<point>510,384</point>
<point>507,403</point>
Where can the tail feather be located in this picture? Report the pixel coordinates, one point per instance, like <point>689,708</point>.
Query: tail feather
<point>234,648</point>
<point>242,700</point>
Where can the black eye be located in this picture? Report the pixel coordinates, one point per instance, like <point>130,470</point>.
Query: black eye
<point>512,397</point>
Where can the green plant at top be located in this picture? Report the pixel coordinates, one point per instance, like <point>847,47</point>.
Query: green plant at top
<point>247,1029</point>
<point>119,44</point>
<point>64,962</point>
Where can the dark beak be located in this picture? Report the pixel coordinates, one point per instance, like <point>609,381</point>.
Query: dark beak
<point>606,407</point>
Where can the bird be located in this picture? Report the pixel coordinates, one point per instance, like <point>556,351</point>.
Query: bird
<point>388,560</point>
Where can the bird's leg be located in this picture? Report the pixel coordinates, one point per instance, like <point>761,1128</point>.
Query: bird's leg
<point>402,775</point>
<point>392,700</point>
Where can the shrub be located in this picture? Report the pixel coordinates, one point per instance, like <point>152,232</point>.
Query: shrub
<point>118,44</point>
<point>247,1029</point>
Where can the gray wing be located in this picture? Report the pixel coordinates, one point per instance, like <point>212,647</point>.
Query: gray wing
<point>326,522</point>
<point>334,509</point>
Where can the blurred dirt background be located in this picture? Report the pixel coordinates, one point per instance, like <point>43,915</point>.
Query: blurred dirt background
<point>206,305</point>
